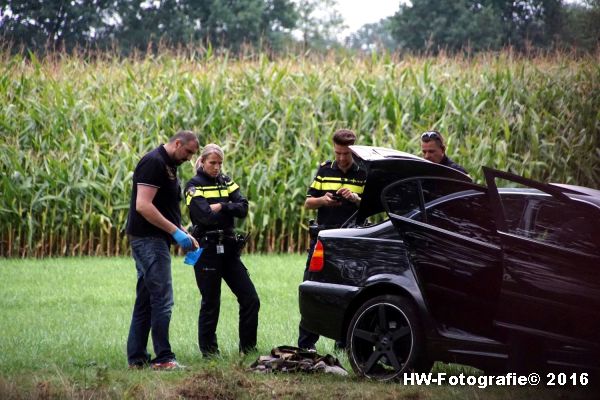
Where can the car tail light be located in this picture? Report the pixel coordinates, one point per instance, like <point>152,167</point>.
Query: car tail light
<point>318,258</point>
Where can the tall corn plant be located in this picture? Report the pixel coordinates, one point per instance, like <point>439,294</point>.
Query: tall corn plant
<point>73,130</point>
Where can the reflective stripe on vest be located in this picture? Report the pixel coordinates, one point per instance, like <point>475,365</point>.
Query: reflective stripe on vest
<point>210,192</point>
<point>335,183</point>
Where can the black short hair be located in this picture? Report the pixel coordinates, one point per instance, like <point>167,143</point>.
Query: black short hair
<point>344,137</point>
<point>184,137</point>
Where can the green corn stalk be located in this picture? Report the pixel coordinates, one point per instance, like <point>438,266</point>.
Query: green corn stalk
<point>72,130</point>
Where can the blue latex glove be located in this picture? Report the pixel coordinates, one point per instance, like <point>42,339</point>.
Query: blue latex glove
<point>192,257</point>
<point>182,239</point>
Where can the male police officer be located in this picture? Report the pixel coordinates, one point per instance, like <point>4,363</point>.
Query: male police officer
<point>434,150</point>
<point>335,194</point>
<point>154,221</point>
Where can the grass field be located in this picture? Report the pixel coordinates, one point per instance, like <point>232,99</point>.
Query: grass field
<point>64,323</point>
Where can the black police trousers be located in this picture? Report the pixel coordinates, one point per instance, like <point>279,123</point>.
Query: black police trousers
<point>307,339</point>
<point>209,271</point>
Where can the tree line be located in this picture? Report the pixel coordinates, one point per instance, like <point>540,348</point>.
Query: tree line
<point>479,25</point>
<point>141,24</point>
<point>279,25</point>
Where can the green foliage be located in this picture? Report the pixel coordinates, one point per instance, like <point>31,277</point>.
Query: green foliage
<point>430,25</point>
<point>140,24</point>
<point>581,29</point>
<point>434,25</point>
<point>320,22</point>
<point>373,37</point>
<point>239,27</point>
<point>51,24</point>
<point>73,131</point>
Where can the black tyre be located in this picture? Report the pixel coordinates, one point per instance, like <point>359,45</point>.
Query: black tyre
<point>385,340</point>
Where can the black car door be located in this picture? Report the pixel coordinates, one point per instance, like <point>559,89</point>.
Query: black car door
<point>551,266</point>
<point>449,234</point>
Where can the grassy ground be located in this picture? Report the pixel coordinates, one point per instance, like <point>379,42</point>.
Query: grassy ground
<point>64,323</point>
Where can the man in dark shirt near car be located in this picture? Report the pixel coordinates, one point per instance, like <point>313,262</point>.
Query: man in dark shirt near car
<point>153,223</point>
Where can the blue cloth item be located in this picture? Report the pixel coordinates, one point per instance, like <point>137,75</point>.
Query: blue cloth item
<point>192,257</point>
<point>182,239</point>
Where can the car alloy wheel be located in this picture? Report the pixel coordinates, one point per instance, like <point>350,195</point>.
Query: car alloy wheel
<point>384,338</point>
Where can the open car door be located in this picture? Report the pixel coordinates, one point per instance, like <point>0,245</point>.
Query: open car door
<point>551,265</point>
<point>450,237</point>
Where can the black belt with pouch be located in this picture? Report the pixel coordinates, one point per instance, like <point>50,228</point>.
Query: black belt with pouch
<point>219,238</point>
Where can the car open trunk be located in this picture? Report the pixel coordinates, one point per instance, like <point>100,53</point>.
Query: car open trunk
<point>384,166</point>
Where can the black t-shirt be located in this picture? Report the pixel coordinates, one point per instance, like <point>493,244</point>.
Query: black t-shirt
<point>330,178</point>
<point>156,169</point>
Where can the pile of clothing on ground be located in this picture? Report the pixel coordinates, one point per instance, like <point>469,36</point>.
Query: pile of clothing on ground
<point>294,359</point>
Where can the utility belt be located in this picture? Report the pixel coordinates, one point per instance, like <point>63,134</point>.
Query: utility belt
<point>217,239</point>
<point>314,228</point>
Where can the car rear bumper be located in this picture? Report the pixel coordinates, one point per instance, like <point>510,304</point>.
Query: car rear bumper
<point>323,306</point>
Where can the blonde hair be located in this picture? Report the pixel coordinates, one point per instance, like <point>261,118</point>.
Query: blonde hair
<point>209,149</point>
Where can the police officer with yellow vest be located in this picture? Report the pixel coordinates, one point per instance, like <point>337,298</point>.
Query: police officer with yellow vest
<point>335,194</point>
<point>214,200</point>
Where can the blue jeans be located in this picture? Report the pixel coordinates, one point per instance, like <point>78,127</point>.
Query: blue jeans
<point>153,302</point>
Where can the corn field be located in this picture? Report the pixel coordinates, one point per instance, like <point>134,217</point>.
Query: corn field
<point>73,128</point>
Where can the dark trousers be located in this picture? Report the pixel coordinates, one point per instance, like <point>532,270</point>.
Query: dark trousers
<point>209,270</point>
<point>307,339</point>
<point>153,301</point>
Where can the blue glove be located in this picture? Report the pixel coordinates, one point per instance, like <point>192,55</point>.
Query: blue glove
<point>182,239</point>
<point>192,257</point>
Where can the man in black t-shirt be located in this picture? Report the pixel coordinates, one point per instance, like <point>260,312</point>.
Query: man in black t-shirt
<point>335,194</point>
<point>154,222</point>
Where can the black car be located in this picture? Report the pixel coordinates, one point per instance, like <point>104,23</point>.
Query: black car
<point>491,277</point>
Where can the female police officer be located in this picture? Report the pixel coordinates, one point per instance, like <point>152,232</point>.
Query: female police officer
<point>214,200</point>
